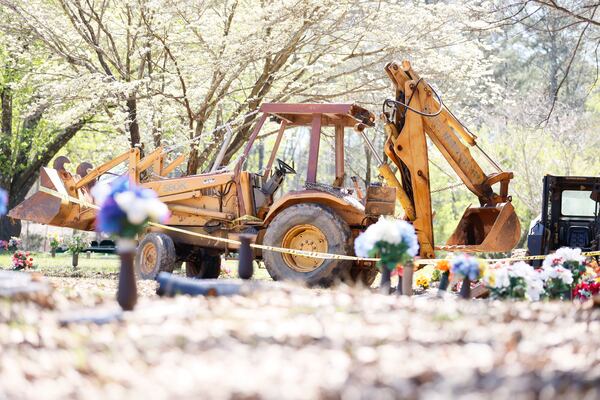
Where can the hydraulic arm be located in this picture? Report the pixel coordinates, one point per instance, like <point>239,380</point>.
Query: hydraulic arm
<point>418,112</point>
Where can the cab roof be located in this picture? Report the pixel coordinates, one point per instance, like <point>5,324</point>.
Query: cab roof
<point>344,114</point>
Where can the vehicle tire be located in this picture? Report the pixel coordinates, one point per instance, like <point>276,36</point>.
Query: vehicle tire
<point>155,253</point>
<point>361,275</point>
<point>310,227</point>
<point>206,266</point>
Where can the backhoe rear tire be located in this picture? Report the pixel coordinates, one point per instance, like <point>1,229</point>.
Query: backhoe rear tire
<point>155,253</point>
<point>310,227</point>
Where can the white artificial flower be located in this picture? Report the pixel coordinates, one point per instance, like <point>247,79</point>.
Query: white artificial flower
<point>100,192</point>
<point>561,273</point>
<point>520,270</point>
<point>535,287</point>
<point>570,254</point>
<point>552,259</point>
<point>157,210</point>
<point>501,277</point>
<point>125,200</point>
<point>387,230</point>
<point>562,255</point>
<point>362,245</point>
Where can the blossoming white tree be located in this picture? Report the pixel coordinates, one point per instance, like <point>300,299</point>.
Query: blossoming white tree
<point>177,66</point>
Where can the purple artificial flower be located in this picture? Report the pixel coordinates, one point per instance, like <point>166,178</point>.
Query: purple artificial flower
<point>466,267</point>
<point>3,202</point>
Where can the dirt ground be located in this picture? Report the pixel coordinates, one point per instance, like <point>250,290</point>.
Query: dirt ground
<point>290,342</point>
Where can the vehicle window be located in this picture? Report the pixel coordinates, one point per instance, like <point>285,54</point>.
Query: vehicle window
<point>577,203</point>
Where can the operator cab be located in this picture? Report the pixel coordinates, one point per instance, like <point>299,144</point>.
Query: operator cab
<point>314,135</point>
<point>570,215</point>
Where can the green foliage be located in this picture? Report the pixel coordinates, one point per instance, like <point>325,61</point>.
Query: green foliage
<point>391,254</point>
<point>76,244</point>
<point>557,289</point>
<point>517,290</point>
<point>55,241</point>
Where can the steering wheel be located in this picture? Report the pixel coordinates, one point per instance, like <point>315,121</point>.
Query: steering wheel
<point>285,167</point>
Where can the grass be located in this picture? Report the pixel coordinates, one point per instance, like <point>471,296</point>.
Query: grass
<point>102,266</point>
<point>107,266</point>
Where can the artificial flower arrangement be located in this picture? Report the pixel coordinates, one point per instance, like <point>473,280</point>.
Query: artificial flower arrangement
<point>55,242</point>
<point>14,243</point>
<point>469,269</point>
<point>567,258</point>
<point>125,209</point>
<point>393,241</point>
<point>590,282</point>
<point>3,202</point>
<point>3,245</point>
<point>558,281</point>
<point>587,289</point>
<point>75,246</point>
<point>22,260</point>
<point>518,281</point>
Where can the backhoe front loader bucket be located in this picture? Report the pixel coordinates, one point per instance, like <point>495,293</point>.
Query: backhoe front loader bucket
<point>48,209</point>
<point>486,229</point>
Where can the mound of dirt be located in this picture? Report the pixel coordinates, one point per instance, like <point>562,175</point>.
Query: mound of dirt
<point>292,342</point>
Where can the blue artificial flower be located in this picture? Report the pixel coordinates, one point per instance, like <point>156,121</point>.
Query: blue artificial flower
<point>409,237</point>
<point>466,267</point>
<point>3,202</point>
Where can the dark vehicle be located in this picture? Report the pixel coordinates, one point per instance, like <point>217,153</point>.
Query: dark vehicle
<point>104,247</point>
<point>570,215</point>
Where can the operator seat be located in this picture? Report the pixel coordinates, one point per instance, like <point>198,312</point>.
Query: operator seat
<point>578,236</point>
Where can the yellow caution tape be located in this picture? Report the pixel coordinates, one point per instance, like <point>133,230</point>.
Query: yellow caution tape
<point>303,253</point>
<point>312,254</point>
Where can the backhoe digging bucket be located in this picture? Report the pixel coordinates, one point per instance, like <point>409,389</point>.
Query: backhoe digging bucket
<point>45,208</point>
<point>486,229</point>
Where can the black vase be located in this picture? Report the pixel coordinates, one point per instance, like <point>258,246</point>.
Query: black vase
<point>127,288</point>
<point>75,260</point>
<point>384,287</point>
<point>399,290</point>
<point>444,280</point>
<point>53,252</point>
<point>465,289</point>
<point>246,258</point>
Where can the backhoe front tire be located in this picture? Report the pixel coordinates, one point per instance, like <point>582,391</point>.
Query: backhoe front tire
<point>155,253</point>
<point>310,227</point>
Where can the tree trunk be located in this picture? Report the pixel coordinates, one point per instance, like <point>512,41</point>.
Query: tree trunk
<point>9,227</point>
<point>368,157</point>
<point>6,99</point>
<point>132,123</point>
<point>18,185</point>
<point>194,158</point>
<point>5,135</point>
<point>192,167</point>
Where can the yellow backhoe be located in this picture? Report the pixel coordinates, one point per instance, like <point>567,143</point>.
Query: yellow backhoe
<point>321,216</point>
